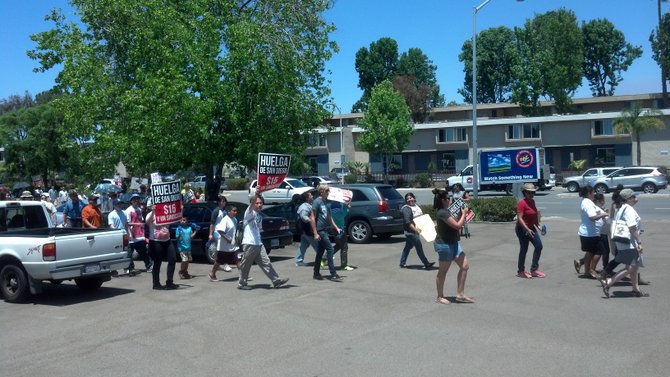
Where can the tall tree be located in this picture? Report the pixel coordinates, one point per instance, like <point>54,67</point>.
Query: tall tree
<point>497,54</point>
<point>374,65</point>
<point>636,121</point>
<point>552,51</point>
<point>386,122</point>
<point>416,64</point>
<point>660,45</point>
<point>165,85</point>
<point>606,55</point>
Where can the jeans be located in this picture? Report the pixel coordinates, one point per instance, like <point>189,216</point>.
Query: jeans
<point>324,245</point>
<point>305,242</point>
<point>413,240</point>
<point>162,250</point>
<point>524,240</point>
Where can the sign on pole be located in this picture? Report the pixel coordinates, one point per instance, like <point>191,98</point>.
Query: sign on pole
<point>272,169</point>
<point>509,165</point>
<point>166,198</point>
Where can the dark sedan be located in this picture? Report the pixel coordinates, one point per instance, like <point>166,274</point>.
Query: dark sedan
<point>276,230</point>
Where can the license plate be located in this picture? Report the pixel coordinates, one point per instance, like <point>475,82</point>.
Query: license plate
<point>90,268</point>
<point>274,243</point>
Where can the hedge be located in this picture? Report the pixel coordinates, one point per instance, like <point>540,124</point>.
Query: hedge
<point>501,209</point>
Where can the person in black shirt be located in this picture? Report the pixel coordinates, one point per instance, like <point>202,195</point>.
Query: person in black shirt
<point>449,249</point>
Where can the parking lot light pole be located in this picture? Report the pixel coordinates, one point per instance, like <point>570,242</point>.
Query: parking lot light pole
<point>475,158</point>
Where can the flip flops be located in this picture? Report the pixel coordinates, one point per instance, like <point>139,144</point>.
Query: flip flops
<point>465,300</point>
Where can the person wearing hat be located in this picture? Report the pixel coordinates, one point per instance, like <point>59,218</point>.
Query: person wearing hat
<point>91,217</point>
<point>27,195</point>
<point>527,225</point>
<point>628,253</point>
<point>137,241</point>
<point>46,202</point>
<point>117,220</point>
<point>72,211</point>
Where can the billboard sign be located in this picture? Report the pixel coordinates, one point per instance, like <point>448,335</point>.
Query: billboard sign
<point>166,198</point>
<point>509,165</point>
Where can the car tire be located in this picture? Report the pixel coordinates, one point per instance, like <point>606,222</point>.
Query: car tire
<point>360,231</point>
<point>600,188</point>
<point>649,188</point>
<point>573,187</point>
<point>14,283</point>
<point>88,284</point>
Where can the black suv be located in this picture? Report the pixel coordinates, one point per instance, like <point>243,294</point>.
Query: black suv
<point>375,210</point>
<point>276,233</point>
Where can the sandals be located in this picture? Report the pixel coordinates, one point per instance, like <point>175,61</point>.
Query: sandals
<point>640,294</point>
<point>465,300</point>
<point>606,289</point>
<point>442,300</point>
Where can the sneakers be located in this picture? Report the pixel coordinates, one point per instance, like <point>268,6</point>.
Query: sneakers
<point>349,268</point>
<point>317,277</point>
<point>403,266</point>
<point>299,263</point>
<point>524,275</point>
<point>171,286</point>
<point>279,282</point>
<point>243,287</point>
<point>226,268</point>
<point>577,264</point>
<point>429,265</point>
<point>335,277</point>
<point>537,274</point>
<point>184,275</point>
<point>158,287</point>
<point>212,277</point>
<point>640,294</point>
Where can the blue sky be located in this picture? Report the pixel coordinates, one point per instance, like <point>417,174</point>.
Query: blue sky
<point>438,27</point>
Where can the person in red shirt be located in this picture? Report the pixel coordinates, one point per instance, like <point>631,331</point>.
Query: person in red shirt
<point>91,217</point>
<point>527,230</point>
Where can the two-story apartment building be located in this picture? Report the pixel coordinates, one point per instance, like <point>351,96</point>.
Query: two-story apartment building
<point>445,141</point>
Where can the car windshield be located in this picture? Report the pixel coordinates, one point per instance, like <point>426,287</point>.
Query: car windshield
<point>296,183</point>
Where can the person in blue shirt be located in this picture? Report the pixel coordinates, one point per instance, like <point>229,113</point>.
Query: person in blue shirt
<point>72,211</point>
<point>184,234</point>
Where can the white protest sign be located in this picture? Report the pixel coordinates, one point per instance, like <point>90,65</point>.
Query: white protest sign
<point>340,195</point>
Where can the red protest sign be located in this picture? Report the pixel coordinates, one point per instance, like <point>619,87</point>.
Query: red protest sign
<point>272,169</point>
<point>166,198</point>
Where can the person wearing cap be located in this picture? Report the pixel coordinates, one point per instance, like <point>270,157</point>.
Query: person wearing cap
<point>72,211</point>
<point>526,229</point>
<point>137,241</point>
<point>117,219</point>
<point>91,217</point>
<point>51,209</point>
<point>26,195</point>
<point>628,253</point>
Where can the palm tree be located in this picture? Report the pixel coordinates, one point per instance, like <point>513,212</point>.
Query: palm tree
<point>664,74</point>
<point>635,121</point>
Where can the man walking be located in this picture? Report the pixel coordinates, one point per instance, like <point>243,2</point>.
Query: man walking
<point>305,226</point>
<point>252,246</point>
<point>321,231</point>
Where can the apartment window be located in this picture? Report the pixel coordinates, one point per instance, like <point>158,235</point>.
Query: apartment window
<point>523,131</point>
<point>605,156</point>
<point>603,127</point>
<point>451,135</point>
<point>316,140</point>
<point>448,161</point>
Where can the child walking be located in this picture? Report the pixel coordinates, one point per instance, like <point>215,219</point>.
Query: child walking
<point>184,235</point>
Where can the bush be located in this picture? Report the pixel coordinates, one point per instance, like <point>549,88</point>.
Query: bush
<point>501,209</point>
<point>422,180</point>
<point>236,183</point>
<point>400,182</point>
<point>351,178</point>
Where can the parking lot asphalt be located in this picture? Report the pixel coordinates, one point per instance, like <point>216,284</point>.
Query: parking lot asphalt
<point>380,321</point>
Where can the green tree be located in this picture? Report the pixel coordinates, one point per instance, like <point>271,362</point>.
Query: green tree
<point>552,55</point>
<point>497,54</point>
<point>660,45</point>
<point>636,121</point>
<point>374,65</point>
<point>606,55</point>
<point>387,124</point>
<point>415,65</point>
<point>167,86</point>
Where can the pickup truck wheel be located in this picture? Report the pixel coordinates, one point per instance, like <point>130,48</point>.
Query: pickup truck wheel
<point>14,283</point>
<point>573,187</point>
<point>360,231</point>
<point>508,189</point>
<point>88,284</point>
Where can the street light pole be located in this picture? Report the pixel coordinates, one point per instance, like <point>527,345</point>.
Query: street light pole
<point>475,157</point>
<point>339,111</point>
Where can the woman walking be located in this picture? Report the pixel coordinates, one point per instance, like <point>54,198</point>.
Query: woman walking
<point>527,225</point>
<point>409,211</point>
<point>628,253</point>
<point>449,249</point>
<point>589,231</point>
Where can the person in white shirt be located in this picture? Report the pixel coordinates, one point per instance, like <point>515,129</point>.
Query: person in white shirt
<point>226,249</point>
<point>51,208</point>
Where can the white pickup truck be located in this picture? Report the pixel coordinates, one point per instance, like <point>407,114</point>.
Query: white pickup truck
<point>33,250</point>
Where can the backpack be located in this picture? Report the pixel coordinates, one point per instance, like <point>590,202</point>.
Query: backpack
<point>239,233</point>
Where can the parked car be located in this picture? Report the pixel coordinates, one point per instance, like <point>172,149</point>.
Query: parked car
<point>549,182</point>
<point>339,173</point>
<point>200,181</point>
<point>315,180</point>
<point>574,183</point>
<point>375,210</point>
<point>282,194</point>
<point>646,178</point>
<point>276,233</point>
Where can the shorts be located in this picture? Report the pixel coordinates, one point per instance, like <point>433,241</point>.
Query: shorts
<point>629,257</point>
<point>226,257</point>
<point>448,252</point>
<point>186,255</point>
<point>592,244</point>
